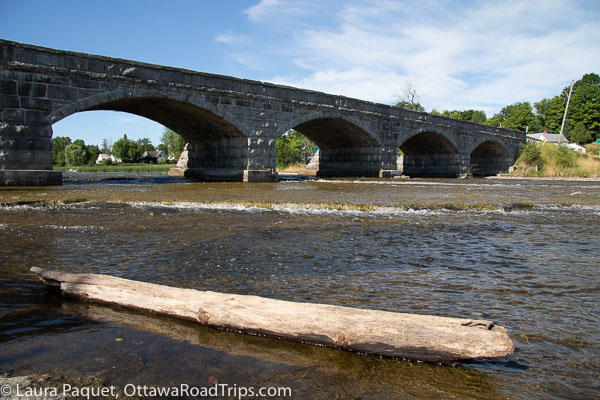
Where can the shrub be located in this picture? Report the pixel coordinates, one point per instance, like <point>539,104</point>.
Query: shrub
<point>531,154</point>
<point>564,157</point>
<point>593,148</point>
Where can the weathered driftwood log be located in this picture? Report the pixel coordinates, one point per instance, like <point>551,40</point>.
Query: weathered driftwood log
<point>416,337</point>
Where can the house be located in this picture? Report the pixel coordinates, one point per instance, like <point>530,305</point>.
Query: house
<point>576,147</point>
<point>151,157</point>
<point>547,137</point>
<point>554,138</point>
<point>104,157</point>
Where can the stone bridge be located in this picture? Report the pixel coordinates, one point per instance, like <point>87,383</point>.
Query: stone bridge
<point>230,124</point>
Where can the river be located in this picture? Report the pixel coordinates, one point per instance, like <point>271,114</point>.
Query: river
<point>523,253</point>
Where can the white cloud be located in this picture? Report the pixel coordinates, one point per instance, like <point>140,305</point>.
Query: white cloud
<point>276,11</point>
<point>356,82</point>
<point>484,54</point>
<point>263,8</point>
<point>132,119</point>
<point>231,39</point>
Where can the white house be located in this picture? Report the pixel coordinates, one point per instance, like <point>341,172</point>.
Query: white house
<point>554,138</point>
<point>103,157</point>
<point>576,147</point>
<point>151,157</point>
<point>547,137</point>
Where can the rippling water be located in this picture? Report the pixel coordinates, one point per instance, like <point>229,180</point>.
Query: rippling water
<point>522,253</point>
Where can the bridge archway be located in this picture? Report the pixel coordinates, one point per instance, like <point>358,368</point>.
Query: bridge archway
<point>489,158</point>
<point>432,155</point>
<point>345,147</point>
<point>216,145</point>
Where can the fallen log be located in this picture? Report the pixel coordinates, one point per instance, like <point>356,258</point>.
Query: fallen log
<point>409,336</point>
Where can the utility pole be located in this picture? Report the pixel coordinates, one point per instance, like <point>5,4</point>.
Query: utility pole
<point>562,126</point>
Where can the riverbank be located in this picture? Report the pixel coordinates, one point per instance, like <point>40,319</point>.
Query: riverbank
<point>546,160</point>
<point>516,177</point>
<point>116,168</point>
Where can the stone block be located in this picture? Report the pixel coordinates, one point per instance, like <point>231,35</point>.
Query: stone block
<point>24,88</point>
<point>8,87</point>
<point>47,58</point>
<point>84,82</point>
<point>14,116</point>
<point>28,143</point>
<point>75,63</point>
<point>243,103</point>
<point>9,101</point>
<point>263,175</point>
<point>62,92</point>
<point>215,174</point>
<point>30,178</point>
<point>36,117</point>
<point>24,159</point>
<point>36,103</point>
<point>177,172</point>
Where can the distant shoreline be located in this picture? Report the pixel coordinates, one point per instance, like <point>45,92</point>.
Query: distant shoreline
<point>544,178</point>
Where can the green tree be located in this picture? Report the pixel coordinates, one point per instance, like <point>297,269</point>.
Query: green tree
<point>579,134</point>
<point>59,144</point>
<point>76,154</point>
<point>468,115</point>
<point>585,105</point>
<point>407,105</point>
<point>555,113</point>
<point>541,114</point>
<point>174,143</point>
<point>146,145</point>
<point>291,147</point>
<point>474,115</point>
<point>517,116</point>
<point>92,154</point>
<point>127,150</point>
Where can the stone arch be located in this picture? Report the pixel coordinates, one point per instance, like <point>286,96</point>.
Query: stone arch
<point>173,110</point>
<point>347,147</point>
<point>217,144</point>
<point>329,127</point>
<point>428,142</point>
<point>431,154</point>
<point>489,158</point>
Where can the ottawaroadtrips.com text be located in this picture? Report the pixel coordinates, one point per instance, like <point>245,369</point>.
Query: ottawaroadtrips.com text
<point>112,392</point>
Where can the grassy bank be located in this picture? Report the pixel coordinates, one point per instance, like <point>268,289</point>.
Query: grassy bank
<point>123,167</point>
<point>291,168</point>
<point>549,160</point>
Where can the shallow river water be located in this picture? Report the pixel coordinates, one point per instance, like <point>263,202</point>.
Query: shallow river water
<point>524,254</point>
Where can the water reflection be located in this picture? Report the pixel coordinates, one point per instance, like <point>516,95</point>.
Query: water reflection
<point>313,372</point>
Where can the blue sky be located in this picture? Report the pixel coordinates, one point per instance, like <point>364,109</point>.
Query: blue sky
<point>456,54</point>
